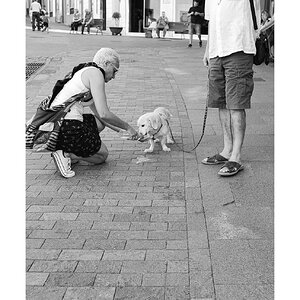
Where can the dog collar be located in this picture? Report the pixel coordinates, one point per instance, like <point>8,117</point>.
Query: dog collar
<point>153,138</point>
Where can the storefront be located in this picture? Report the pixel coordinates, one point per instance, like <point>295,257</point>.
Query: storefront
<point>135,14</point>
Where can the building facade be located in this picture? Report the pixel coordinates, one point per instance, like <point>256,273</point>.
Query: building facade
<point>135,14</point>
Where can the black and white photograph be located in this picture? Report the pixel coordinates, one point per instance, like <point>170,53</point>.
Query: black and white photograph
<point>148,168</point>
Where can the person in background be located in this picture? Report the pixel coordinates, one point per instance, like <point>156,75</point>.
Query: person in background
<point>35,9</point>
<point>76,21</point>
<point>45,19</point>
<point>88,18</point>
<point>229,56</point>
<point>196,14</point>
<point>162,23</point>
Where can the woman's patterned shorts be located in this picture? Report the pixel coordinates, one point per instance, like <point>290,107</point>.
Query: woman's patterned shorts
<point>80,138</point>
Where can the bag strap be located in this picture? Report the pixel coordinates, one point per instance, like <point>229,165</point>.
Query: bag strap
<point>253,15</point>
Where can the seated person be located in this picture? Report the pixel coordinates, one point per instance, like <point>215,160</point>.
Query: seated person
<point>162,23</point>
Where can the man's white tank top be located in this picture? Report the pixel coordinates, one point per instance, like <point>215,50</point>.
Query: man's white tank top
<point>72,87</point>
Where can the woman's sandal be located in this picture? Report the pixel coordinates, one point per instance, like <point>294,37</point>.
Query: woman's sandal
<point>214,160</point>
<point>233,168</point>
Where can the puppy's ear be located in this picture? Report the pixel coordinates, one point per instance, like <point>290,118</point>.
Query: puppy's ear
<point>155,121</point>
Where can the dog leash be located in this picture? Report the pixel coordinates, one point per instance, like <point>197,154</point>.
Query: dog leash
<point>202,135</point>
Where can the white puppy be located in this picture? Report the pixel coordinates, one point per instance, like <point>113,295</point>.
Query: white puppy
<point>154,126</point>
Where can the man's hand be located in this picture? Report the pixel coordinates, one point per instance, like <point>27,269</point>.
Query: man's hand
<point>205,60</point>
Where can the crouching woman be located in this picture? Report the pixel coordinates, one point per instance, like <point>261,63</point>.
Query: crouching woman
<point>79,137</point>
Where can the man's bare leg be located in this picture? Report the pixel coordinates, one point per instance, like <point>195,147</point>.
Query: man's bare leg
<point>225,120</point>
<point>238,128</point>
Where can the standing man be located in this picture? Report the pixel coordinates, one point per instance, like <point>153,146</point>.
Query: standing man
<point>162,23</point>
<point>35,8</point>
<point>196,13</point>
<point>229,57</point>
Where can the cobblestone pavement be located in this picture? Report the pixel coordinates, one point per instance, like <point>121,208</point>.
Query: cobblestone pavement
<point>166,228</point>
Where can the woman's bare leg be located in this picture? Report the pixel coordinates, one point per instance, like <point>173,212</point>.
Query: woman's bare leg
<point>98,158</point>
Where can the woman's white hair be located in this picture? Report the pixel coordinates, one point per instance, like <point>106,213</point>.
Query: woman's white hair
<point>105,55</point>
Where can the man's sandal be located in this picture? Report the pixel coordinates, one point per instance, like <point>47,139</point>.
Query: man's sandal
<point>230,168</point>
<point>214,160</point>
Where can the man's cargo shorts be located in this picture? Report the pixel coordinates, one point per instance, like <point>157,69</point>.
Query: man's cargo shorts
<point>230,81</point>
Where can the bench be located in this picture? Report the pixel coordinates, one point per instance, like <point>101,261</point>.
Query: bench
<point>179,27</point>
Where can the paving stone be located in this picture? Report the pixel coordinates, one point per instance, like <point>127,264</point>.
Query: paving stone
<point>177,279</point>
<point>101,202</point>
<point>34,243</point>
<point>201,284</point>
<point>140,293</point>
<point>132,217</point>
<point>45,208</point>
<point>81,255</point>
<point>178,226</point>
<point>242,291</point>
<point>63,243</point>
<point>101,244</point>
<point>33,216</point>
<point>111,225</point>
<point>168,218</point>
<point>177,293</point>
<point>151,210</point>
<point>179,266</point>
<point>99,267</point>
<point>177,245</point>
<point>51,266</point>
<point>67,226</point>
<point>37,279</point>
<point>42,254</point>
<point>89,234</point>
<point>167,255</point>
<point>80,209</point>
<point>95,293</point>
<point>144,267</point>
<point>39,224</point>
<point>118,280</point>
<point>169,203</point>
<point>48,234</point>
<point>128,235</point>
<point>59,216</point>
<point>145,244</point>
<point>124,255</point>
<point>154,279</point>
<point>37,200</point>
<point>44,293</point>
<point>149,226</point>
<point>167,235</point>
<point>70,279</point>
<point>134,202</point>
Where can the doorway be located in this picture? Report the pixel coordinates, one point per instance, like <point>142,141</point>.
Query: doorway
<point>136,8</point>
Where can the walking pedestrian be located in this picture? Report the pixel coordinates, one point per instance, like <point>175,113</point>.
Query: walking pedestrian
<point>229,57</point>
<point>45,19</point>
<point>79,137</point>
<point>196,14</point>
<point>35,9</point>
<point>88,18</point>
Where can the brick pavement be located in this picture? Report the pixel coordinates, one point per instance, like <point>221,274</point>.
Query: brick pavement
<point>158,229</point>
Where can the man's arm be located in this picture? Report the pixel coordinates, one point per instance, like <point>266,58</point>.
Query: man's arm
<point>206,54</point>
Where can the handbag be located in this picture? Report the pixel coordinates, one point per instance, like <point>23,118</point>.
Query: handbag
<point>43,130</point>
<point>261,43</point>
